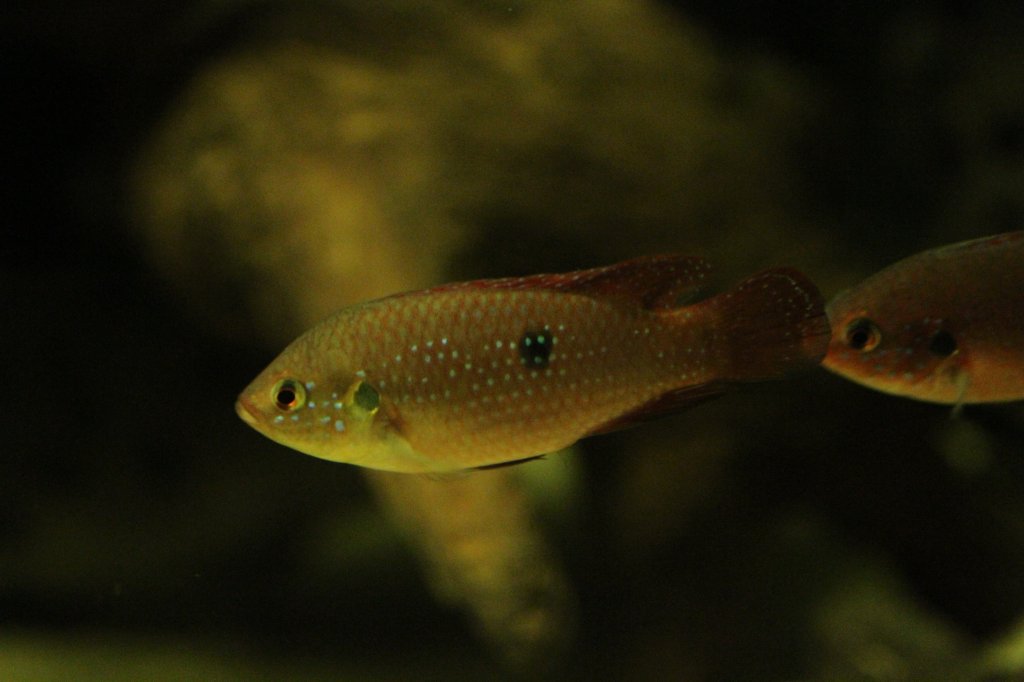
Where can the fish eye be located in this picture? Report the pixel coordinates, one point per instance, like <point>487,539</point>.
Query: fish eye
<point>942,344</point>
<point>288,394</point>
<point>862,334</point>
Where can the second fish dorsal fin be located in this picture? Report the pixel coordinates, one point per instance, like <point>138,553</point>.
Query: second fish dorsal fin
<point>652,282</point>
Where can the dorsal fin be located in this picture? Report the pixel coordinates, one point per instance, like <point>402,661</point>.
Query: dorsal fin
<point>652,282</point>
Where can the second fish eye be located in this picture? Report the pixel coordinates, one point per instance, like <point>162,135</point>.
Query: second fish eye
<point>288,395</point>
<point>862,334</point>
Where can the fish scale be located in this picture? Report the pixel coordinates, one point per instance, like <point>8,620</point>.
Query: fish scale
<point>496,371</point>
<point>469,375</point>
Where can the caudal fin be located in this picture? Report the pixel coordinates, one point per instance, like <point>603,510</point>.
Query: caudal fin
<point>771,323</point>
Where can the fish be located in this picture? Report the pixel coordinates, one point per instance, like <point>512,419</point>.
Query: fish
<point>492,372</point>
<point>945,325</point>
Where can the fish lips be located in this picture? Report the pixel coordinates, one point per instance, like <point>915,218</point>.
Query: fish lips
<point>247,411</point>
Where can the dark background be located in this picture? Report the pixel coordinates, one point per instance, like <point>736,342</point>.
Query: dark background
<point>845,535</point>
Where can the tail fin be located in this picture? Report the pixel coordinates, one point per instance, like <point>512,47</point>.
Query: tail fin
<point>771,323</point>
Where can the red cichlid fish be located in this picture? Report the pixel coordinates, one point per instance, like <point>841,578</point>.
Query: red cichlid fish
<point>492,372</point>
<point>945,325</point>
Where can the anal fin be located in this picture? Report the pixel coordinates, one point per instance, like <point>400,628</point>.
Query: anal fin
<point>665,404</point>
<point>501,465</point>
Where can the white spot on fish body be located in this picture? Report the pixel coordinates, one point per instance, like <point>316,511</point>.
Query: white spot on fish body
<point>361,374</point>
<point>278,419</point>
<point>339,425</point>
<point>310,385</point>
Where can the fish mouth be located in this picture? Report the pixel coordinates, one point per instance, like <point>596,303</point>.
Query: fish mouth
<point>247,411</point>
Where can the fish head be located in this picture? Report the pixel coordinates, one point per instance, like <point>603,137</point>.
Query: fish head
<point>340,416</point>
<point>886,343</point>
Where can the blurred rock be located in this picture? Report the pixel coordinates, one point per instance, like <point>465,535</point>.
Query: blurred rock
<point>328,153</point>
<point>344,153</point>
<point>341,154</point>
<point>484,551</point>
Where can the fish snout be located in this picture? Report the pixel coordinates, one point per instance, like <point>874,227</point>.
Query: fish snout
<point>247,411</point>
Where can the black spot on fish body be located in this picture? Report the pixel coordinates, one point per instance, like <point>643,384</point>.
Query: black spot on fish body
<point>942,344</point>
<point>535,349</point>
